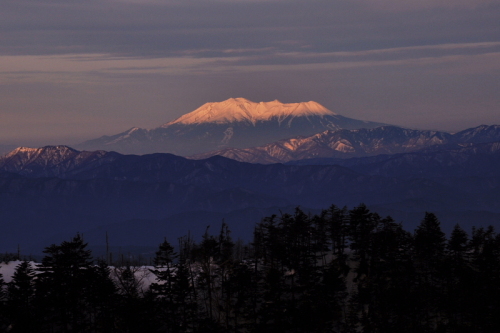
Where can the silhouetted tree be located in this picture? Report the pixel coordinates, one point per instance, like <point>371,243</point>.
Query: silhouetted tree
<point>102,297</point>
<point>63,285</point>
<point>430,244</point>
<point>163,289</point>
<point>297,276</point>
<point>21,294</point>
<point>4,321</point>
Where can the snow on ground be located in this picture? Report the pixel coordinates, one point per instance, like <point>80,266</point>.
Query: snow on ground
<point>8,269</point>
<point>142,273</point>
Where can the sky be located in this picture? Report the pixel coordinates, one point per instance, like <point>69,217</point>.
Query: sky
<point>77,70</point>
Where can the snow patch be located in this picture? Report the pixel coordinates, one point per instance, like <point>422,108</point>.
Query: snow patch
<point>343,146</point>
<point>7,269</point>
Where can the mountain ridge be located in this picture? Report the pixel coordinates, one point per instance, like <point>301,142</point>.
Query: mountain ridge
<point>355,143</point>
<point>235,122</point>
<point>83,190</point>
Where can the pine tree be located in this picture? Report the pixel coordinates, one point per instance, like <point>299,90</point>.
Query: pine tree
<point>430,243</point>
<point>163,289</point>
<point>163,269</point>
<point>136,311</point>
<point>205,255</point>
<point>362,224</point>
<point>484,280</point>
<point>184,291</point>
<point>457,245</point>
<point>102,297</point>
<point>337,228</point>
<point>225,265</point>
<point>20,295</point>
<point>63,285</point>
<point>242,282</point>
<point>387,288</point>
<point>429,238</point>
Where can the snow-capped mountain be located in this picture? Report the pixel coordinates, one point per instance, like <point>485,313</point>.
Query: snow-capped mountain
<point>242,110</point>
<point>51,161</point>
<point>337,144</point>
<point>236,122</point>
<point>354,143</point>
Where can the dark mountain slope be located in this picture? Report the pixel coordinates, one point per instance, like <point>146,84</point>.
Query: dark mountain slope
<point>87,190</point>
<point>453,160</point>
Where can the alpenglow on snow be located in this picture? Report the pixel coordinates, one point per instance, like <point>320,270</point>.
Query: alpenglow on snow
<point>236,122</point>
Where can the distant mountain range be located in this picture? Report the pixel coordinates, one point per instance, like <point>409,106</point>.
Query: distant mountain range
<point>49,193</point>
<point>236,122</point>
<point>354,143</point>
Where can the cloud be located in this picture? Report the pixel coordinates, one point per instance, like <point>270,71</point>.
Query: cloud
<point>74,67</point>
<point>168,28</point>
<point>408,5</point>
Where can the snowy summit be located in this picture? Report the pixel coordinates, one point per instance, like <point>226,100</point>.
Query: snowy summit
<point>241,109</point>
<point>236,122</point>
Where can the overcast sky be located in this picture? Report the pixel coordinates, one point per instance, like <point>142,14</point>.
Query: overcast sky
<point>76,70</point>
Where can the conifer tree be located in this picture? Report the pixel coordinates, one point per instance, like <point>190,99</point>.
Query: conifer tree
<point>63,285</point>
<point>184,290</point>
<point>337,229</point>
<point>241,282</point>
<point>225,265</point>
<point>163,289</point>
<point>430,243</point>
<point>136,311</point>
<point>429,238</point>
<point>457,245</point>
<point>102,297</point>
<point>387,288</point>
<point>20,295</point>
<point>163,269</point>
<point>362,224</point>
<point>205,254</point>
<point>484,281</point>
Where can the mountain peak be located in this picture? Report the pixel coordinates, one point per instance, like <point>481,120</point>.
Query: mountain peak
<point>61,150</point>
<point>54,154</point>
<point>49,161</point>
<point>479,134</point>
<point>235,122</point>
<point>242,110</point>
<point>22,150</point>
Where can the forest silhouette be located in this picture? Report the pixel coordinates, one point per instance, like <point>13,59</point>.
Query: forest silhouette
<point>340,271</point>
